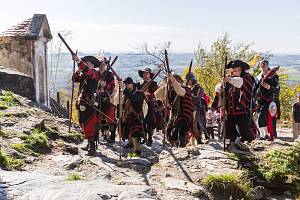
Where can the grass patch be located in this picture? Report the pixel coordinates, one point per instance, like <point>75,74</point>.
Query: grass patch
<point>72,137</point>
<point>2,133</point>
<point>8,99</point>
<point>8,133</point>
<point>34,144</point>
<point>281,165</point>
<point>37,141</point>
<point>60,143</point>
<point>239,157</point>
<point>3,107</point>
<point>9,163</point>
<point>14,114</point>
<point>74,177</point>
<point>227,186</point>
<point>22,148</point>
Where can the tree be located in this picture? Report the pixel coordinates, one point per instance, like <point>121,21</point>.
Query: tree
<point>153,56</point>
<point>210,63</point>
<point>210,66</point>
<point>55,55</point>
<point>287,95</point>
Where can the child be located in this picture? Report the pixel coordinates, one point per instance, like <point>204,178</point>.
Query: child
<point>210,121</point>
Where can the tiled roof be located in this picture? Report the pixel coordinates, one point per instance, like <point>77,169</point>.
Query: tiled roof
<point>28,28</point>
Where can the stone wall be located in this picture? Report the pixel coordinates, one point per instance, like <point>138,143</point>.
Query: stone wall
<point>21,84</point>
<point>16,53</point>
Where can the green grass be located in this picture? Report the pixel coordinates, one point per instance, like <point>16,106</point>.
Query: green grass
<point>3,107</point>
<point>239,157</point>
<point>34,144</point>
<point>74,137</point>
<point>227,186</point>
<point>14,114</point>
<point>9,163</point>
<point>60,143</point>
<point>8,133</point>
<point>2,133</point>
<point>22,148</point>
<point>37,141</point>
<point>74,177</point>
<point>8,99</point>
<point>281,165</point>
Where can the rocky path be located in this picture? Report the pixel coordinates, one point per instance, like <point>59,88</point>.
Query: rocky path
<point>168,173</point>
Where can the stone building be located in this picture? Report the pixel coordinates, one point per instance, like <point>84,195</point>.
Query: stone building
<point>24,48</point>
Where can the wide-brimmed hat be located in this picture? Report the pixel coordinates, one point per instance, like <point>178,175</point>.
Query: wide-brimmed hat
<point>237,63</point>
<point>103,59</point>
<point>128,80</point>
<point>191,76</point>
<point>92,60</point>
<point>141,72</point>
<point>178,78</point>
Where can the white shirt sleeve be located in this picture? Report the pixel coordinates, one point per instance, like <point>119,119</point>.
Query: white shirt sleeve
<point>236,81</point>
<point>178,89</point>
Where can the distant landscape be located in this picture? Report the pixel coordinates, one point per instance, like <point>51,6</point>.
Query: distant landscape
<point>129,64</point>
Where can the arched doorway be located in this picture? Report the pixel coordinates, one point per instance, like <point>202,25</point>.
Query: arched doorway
<point>41,75</point>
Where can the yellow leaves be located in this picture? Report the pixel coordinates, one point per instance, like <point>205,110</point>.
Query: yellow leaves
<point>255,60</point>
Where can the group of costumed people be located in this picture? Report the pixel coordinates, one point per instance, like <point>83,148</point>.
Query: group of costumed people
<point>180,108</point>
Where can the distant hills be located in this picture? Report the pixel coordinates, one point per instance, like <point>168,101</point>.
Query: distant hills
<point>129,64</point>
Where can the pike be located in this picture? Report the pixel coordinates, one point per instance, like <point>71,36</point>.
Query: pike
<point>72,96</point>
<point>112,70</point>
<point>224,106</point>
<point>120,102</point>
<point>109,67</point>
<point>189,72</point>
<point>66,44</point>
<point>167,96</point>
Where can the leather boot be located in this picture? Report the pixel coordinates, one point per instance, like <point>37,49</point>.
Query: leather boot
<point>92,147</point>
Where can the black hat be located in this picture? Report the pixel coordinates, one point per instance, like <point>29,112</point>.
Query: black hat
<point>92,60</point>
<point>265,61</point>
<point>128,80</point>
<point>237,63</point>
<point>178,78</point>
<point>141,72</point>
<point>190,76</point>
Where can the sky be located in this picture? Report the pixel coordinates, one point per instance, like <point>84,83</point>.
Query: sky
<point>125,25</point>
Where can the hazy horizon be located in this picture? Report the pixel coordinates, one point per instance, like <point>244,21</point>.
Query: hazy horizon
<point>121,26</point>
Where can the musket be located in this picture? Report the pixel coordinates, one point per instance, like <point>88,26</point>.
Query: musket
<point>167,62</point>
<point>66,44</point>
<point>167,95</point>
<point>112,70</point>
<point>72,96</point>
<point>102,113</point>
<point>120,118</point>
<point>147,84</point>
<point>259,95</point>
<point>224,106</point>
<point>103,77</point>
<point>109,67</point>
<point>189,72</point>
<point>120,103</point>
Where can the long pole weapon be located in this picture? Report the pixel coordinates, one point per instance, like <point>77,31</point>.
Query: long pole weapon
<point>167,96</point>
<point>189,72</point>
<point>224,107</point>
<point>72,96</point>
<point>66,44</point>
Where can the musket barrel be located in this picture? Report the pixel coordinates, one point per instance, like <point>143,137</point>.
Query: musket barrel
<point>66,44</point>
<point>112,70</point>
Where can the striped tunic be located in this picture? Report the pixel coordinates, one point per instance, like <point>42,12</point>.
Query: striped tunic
<point>88,80</point>
<point>238,100</point>
<point>186,107</point>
